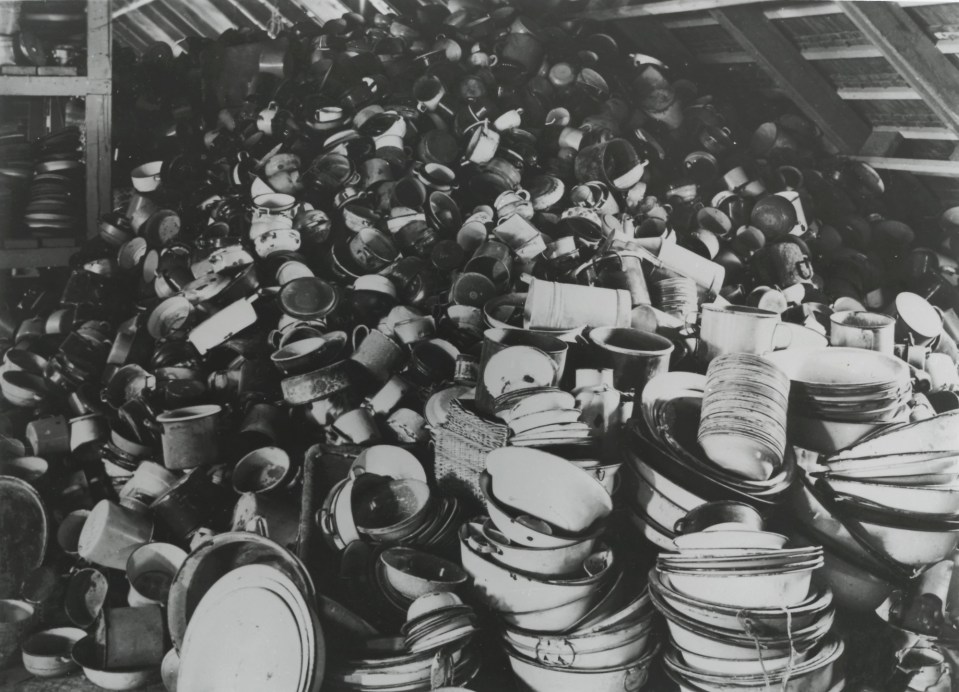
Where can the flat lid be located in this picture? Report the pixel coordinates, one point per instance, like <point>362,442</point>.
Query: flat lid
<point>23,534</point>
<point>251,632</point>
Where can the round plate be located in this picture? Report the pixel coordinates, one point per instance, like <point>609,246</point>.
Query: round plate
<point>23,533</point>
<point>227,635</point>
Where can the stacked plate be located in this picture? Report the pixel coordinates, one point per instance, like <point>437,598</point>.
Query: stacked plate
<point>542,416</point>
<point>884,508</point>
<point>226,634</point>
<point>54,207</point>
<point>839,395</point>
<point>436,620</point>
<point>612,650</point>
<point>742,424</point>
<point>741,612</point>
<point>668,473</point>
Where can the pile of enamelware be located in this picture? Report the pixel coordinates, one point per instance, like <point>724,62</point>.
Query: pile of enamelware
<point>361,355</point>
<point>742,612</point>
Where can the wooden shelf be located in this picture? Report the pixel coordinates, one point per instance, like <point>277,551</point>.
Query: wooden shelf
<point>35,85</point>
<point>97,90</point>
<point>21,258</point>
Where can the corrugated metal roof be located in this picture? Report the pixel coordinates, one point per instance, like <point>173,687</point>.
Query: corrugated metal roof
<point>138,23</point>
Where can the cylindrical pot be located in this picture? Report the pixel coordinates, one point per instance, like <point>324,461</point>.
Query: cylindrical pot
<point>190,436</point>
<point>193,502</point>
<point>111,532</point>
<point>552,305</point>
<point>130,637</point>
<point>867,330</point>
<point>635,356</point>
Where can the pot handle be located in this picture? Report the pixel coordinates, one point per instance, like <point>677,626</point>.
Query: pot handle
<point>778,344</point>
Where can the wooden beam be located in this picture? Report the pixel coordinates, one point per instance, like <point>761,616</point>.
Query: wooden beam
<point>17,258</point>
<point>809,90</point>
<point>942,134</point>
<point>907,48</point>
<point>52,86</point>
<point>890,93</point>
<point>933,167</point>
<point>659,7</point>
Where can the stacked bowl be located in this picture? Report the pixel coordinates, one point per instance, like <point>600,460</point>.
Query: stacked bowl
<point>612,650</point>
<point>742,425</point>
<point>743,614</point>
<point>536,562</point>
<point>884,508</point>
<point>55,205</point>
<point>839,395</point>
<point>667,473</point>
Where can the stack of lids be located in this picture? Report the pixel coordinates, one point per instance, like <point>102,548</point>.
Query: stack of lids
<point>671,473</point>
<point>225,643</point>
<point>742,612</point>
<point>839,395</point>
<point>742,425</point>
<point>885,508</point>
<point>541,416</point>
<point>437,619</point>
<point>55,204</point>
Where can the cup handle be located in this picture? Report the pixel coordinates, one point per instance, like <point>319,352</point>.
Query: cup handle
<point>680,526</point>
<point>258,526</point>
<point>493,59</point>
<point>778,343</point>
<point>355,340</point>
<point>523,194</point>
<point>804,268</point>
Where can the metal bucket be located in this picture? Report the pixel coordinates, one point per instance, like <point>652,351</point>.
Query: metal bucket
<point>190,436</point>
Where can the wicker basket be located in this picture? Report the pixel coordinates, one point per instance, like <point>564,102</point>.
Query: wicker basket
<point>462,444</point>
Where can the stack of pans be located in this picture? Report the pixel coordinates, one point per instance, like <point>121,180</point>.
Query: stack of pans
<point>743,423</point>
<point>741,612</point>
<point>884,509</point>
<point>55,206</point>
<point>839,395</point>
<point>670,474</point>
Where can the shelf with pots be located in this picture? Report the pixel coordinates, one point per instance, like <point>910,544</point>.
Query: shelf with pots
<point>96,89</point>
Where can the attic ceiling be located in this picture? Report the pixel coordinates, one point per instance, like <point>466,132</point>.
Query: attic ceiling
<point>138,23</point>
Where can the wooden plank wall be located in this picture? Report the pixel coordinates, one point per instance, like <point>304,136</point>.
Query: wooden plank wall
<point>877,86</point>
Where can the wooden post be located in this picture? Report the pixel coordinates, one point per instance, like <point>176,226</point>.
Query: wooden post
<point>798,79</point>
<point>914,55</point>
<point>99,108</point>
